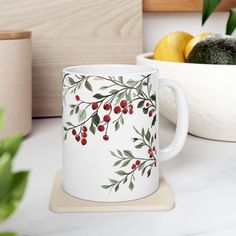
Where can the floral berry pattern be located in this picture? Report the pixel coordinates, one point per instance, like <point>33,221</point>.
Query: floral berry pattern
<point>129,164</point>
<point>117,100</point>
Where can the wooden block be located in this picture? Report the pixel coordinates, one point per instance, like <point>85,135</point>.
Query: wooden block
<point>61,202</point>
<point>73,32</point>
<point>182,5</point>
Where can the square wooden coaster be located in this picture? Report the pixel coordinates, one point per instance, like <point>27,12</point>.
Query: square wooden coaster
<point>60,201</point>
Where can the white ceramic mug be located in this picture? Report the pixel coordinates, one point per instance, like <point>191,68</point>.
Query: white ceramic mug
<point>110,131</point>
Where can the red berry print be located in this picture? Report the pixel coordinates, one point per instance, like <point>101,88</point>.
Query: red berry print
<point>73,131</point>
<point>117,109</point>
<point>153,148</point>
<point>149,150</point>
<point>84,135</point>
<point>131,106</point>
<point>150,155</point>
<point>131,111</point>
<point>105,137</point>
<point>107,106</point>
<point>133,166</point>
<point>107,118</point>
<point>77,97</point>
<point>123,103</point>
<point>95,106</point>
<point>124,111</point>
<point>155,163</point>
<point>150,113</point>
<point>147,104</point>
<point>101,128</point>
<point>83,141</point>
<point>137,162</point>
<point>77,137</point>
<point>85,129</point>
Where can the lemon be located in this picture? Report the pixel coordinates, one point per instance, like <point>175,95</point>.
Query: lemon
<point>172,47</point>
<point>193,42</point>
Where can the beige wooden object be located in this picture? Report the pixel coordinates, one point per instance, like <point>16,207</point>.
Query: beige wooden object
<point>63,202</point>
<point>16,81</point>
<point>73,32</point>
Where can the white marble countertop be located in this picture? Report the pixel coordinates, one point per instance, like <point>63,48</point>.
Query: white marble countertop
<point>202,178</point>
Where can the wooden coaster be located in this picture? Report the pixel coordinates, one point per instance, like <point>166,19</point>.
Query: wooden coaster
<point>60,201</point>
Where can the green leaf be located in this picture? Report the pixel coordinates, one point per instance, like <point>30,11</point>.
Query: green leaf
<point>65,128</point>
<point>149,172</point>
<point>117,188</point>
<point>231,23</point>
<point>65,136</point>
<point>139,88</point>
<point>148,135</point>
<point>1,119</point>
<point>11,144</point>
<point>125,180</point>
<point>121,172</point>
<point>131,185</point>
<point>132,83</point>
<point>113,181</point>
<point>120,78</point>
<point>76,109</point>
<point>71,81</point>
<point>139,145</point>
<point>117,126</point>
<point>141,166</point>
<point>8,234</point>
<point>72,112</point>
<point>106,186</point>
<point>208,7</point>
<point>125,163</point>
<point>112,153</point>
<point>121,120</point>
<point>120,153</point>
<point>136,131</point>
<point>92,128</point>
<point>82,115</point>
<point>5,174</point>
<point>128,154</point>
<point>11,200</point>
<point>96,119</point>
<point>104,87</point>
<point>128,95</point>
<point>88,85</point>
<point>143,132</point>
<point>98,96</point>
<point>145,110</point>
<point>69,124</point>
<point>140,104</point>
<point>113,91</point>
<point>154,120</point>
<point>153,97</point>
<point>117,163</point>
<point>134,139</point>
<point>120,96</point>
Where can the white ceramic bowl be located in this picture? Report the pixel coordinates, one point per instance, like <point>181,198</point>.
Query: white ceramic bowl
<point>210,91</point>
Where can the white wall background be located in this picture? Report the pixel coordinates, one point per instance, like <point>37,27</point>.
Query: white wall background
<point>156,25</point>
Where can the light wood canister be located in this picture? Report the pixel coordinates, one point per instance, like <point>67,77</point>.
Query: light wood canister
<point>16,81</point>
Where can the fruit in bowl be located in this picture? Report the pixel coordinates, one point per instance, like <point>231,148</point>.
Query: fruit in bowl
<point>209,88</point>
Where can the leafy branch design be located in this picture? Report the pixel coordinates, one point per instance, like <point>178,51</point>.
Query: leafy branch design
<point>127,160</point>
<point>109,107</point>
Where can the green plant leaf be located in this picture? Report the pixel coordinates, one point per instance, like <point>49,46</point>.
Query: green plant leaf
<point>148,135</point>
<point>149,172</point>
<point>117,126</point>
<point>113,181</point>
<point>77,109</point>
<point>11,144</point>
<point>11,200</point>
<point>128,154</point>
<point>8,234</point>
<point>112,153</point>
<point>122,120</point>
<point>140,104</point>
<point>128,95</point>
<point>98,96</point>
<point>120,153</point>
<point>121,172</point>
<point>117,163</point>
<point>117,188</point>
<point>132,83</point>
<point>231,23</point>
<point>88,85</point>
<point>71,81</point>
<point>125,163</point>
<point>145,110</point>
<point>141,166</point>
<point>1,119</point>
<point>208,7</point>
<point>106,186</point>
<point>5,174</point>
<point>69,124</point>
<point>82,115</point>
<point>113,91</point>
<point>154,120</point>
<point>120,78</point>
<point>131,185</point>
<point>92,128</point>
<point>96,119</point>
<point>153,97</point>
<point>139,145</point>
<point>125,180</point>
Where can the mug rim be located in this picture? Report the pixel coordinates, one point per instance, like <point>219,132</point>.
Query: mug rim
<point>110,69</point>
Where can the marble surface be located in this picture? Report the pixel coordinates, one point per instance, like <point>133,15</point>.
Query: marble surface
<point>202,178</point>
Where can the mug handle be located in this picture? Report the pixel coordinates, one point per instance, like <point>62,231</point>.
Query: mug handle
<point>182,123</point>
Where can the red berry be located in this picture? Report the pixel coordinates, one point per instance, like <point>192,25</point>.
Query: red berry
<point>124,111</point>
<point>85,129</point>
<point>131,111</point>
<point>123,103</point>
<point>150,113</point>
<point>155,163</point>
<point>149,150</point>
<point>133,166</point>
<point>95,106</point>
<point>73,131</point>
<point>107,118</point>
<point>147,104</point>
<point>105,137</point>
<point>131,106</point>
<point>77,97</point>
<point>84,135</point>
<point>150,155</point>
<point>107,106</point>
<point>83,141</point>
<point>77,137</point>
<point>137,162</point>
<point>117,109</point>
<point>153,148</point>
<point>101,128</point>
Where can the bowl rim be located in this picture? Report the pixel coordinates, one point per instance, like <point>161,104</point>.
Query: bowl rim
<point>146,56</point>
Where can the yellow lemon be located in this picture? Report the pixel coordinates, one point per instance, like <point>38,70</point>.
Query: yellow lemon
<point>193,42</point>
<point>172,47</point>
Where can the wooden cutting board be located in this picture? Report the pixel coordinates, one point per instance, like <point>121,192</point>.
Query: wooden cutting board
<point>73,32</point>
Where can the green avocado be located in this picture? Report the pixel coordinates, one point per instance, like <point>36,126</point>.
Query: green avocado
<point>215,49</point>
